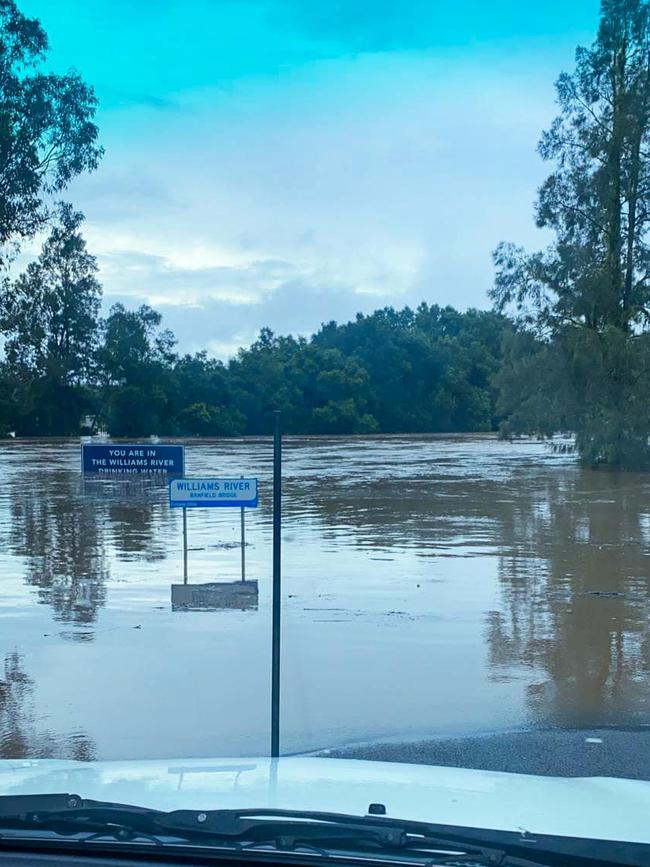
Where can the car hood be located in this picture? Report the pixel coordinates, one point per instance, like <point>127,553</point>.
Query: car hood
<point>595,807</point>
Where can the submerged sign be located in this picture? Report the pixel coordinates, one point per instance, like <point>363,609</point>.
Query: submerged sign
<point>197,493</point>
<point>136,459</point>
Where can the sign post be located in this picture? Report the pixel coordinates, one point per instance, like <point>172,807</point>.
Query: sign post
<point>184,546</point>
<point>243,546</point>
<point>277,588</point>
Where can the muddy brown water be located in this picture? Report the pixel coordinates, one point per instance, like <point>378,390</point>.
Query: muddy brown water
<point>433,586</point>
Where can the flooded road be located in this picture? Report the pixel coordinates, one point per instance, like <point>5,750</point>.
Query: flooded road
<point>432,586</point>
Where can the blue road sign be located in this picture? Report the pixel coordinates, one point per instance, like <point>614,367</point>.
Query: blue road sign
<point>203,493</point>
<point>132,459</point>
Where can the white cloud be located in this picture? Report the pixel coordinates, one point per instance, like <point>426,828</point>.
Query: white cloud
<point>161,280</point>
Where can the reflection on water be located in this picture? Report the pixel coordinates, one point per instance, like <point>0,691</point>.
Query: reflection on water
<point>513,582</point>
<point>62,526</point>
<point>62,542</point>
<point>20,735</point>
<point>136,512</point>
<point>576,578</point>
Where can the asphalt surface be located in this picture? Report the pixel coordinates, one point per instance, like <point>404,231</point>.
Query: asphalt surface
<point>567,753</point>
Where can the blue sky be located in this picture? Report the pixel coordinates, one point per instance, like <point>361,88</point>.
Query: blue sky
<point>287,162</point>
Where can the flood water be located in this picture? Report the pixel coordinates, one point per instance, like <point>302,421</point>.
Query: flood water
<point>432,586</point>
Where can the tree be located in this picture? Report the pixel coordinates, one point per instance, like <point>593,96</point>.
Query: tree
<point>201,419</point>
<point>423,371</point>
<point>50,317</point>
<point>134,345</point>
<point>261,383</point>
<point>47,134</point>
<point>586,299</point>
<point>201,398</point>
<point>135,363</point>
<point>318,388</point>
<point>342,417</point>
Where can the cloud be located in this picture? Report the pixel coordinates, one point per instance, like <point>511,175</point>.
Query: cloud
<point>344,187</point>
<point>120,194</point>
<point>162,281</point>
<point>222,326</point>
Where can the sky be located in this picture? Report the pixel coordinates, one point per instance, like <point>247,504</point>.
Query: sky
<point>284,163</point>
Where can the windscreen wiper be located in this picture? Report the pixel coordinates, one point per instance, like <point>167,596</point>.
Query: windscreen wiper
<point>237,831</point>
<point>328,834</point>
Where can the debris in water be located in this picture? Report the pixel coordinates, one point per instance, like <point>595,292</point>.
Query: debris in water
<point>604,594</point>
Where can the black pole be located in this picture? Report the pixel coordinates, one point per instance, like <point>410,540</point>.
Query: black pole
<point>277,587</point>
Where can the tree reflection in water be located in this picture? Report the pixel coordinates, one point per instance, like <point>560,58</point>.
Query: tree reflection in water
<point>137,513</point>
<point>62,544</point>
<point>65,527</point>
<point>20,736</point>
<point>573,551</point>
<point>575,578</point>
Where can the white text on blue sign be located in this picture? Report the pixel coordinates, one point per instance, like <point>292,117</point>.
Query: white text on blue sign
<point>105,459</point>
<point>188,493</point>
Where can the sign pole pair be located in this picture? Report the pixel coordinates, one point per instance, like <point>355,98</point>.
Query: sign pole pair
<point>243,545</point>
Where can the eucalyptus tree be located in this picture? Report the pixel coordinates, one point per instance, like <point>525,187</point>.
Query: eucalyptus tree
<point>47,129</point>
<point>586,298</point>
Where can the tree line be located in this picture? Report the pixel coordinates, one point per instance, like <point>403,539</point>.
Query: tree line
<point>565,347</point>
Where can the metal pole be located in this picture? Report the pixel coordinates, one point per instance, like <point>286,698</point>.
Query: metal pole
<point>184,546</point>
<point>277,595</point>
<point>243,547</point>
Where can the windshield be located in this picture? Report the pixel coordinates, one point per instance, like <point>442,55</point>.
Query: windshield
<point>325,409</point>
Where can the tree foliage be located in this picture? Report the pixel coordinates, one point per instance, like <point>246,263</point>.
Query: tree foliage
<point>49,315</point>
<point>49,320</point>
<point>586,298</point>
<point>47,133</point>
<point>133,361</point>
